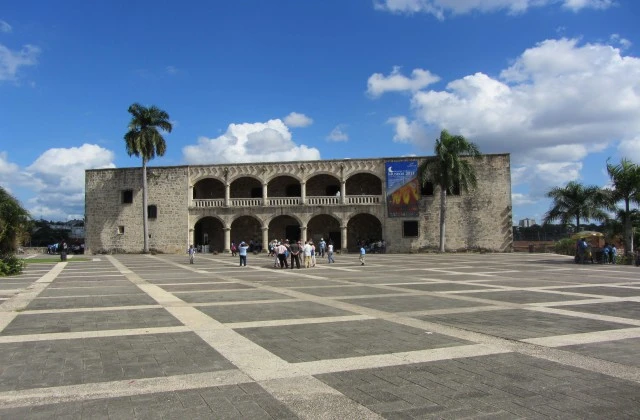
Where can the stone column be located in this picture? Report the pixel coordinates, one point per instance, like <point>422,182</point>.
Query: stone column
<point>190,195</point>
<point>303,193</point>
<point>343,239</point>
<point>265,239</point>
<point>227,194</point>
<point>343,191</point>
<point>227,240</point>
<point>303,233</point>
<point>264,194</point>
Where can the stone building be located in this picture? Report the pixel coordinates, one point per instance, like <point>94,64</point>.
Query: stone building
<point>344,201</point>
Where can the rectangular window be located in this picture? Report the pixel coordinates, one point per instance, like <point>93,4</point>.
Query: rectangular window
<point>410,229</point>
<point>426,189</point>
<point>127,196</point>
<point>152,211</point>
<point>120,230</point>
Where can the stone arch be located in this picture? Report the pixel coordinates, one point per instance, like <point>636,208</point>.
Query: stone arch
<point>208,188</point>
<point>322,184</point>
<point>284,186</point>
<point>246,228</point>
<point>209,234</point>
<point>245,186</point>
<point>363,183</point>
<point>285,226</point>
<point>363,227</point>
<point>324,226</point>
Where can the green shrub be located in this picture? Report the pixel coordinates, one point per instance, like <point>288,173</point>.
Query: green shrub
<point>11,265</point>
<point>565,246</point>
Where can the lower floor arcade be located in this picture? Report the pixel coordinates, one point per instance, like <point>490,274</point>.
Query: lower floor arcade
<point>212,234</point>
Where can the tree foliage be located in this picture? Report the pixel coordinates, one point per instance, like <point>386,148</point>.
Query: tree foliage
<point>450,169</point>
<point>575,202</point>
<point>144,139</point>
<point>15,223</point>
<point>625,181</point>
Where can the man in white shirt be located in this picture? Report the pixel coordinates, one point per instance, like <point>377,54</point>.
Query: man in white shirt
<point>307,255</point>
<point>330,253</point>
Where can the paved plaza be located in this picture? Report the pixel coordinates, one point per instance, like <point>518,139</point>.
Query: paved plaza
<point>493,336</point>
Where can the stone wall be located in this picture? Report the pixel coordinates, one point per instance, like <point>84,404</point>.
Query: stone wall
<point>106,215</point>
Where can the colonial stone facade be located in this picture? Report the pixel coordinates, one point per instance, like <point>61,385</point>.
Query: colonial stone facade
<point>344,201</point>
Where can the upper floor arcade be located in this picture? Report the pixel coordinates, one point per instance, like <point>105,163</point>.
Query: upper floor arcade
<point>324,183</point>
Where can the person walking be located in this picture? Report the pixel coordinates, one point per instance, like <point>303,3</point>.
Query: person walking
<point>294,249</point>
<point>281,251</point>
<point>313,254</point>
<point>323,247</point>
<point>362,253</point>
<point>242,251</point>
<point>330,253</point>
<point>192,253</point>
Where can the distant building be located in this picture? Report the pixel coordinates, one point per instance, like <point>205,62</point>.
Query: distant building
<point>527,222</point>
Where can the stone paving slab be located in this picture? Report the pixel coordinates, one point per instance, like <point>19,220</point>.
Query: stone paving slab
<point>203,286</point>
<point>620,351</point>
<point>94,291</point>
<point>225,402</point>
<point>301,343</point>
<point>505,386</point>
<point>444,287</point>
<point>346,290</point>
<point>91,302</point>
<point>520,324</point>
<point>622,309</point>
<point>230,296</point>
<point>603,291</point>
<point>411,303</point>
<point>523,296</point>
<point>83,361</point>
<point>90,321</point>
<point>271,311</point>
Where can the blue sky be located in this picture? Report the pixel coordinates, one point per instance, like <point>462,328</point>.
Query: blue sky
<point>556,83</point>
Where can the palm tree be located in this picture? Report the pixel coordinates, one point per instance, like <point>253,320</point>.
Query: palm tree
<point>15,222</point>
<point>625,179</point>
<point>575,202</point>
<point>145,140</point>
<point>449,170</point>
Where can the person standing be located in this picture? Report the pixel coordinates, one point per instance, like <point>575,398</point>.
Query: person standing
<point>307,255</point>
<point>323,247</point>
<point>330,253</point>
<point>281,251</point>
<point>294,249</point>
<point>192,254</point>
<point>313,254</point>
<point>614,253</point>
<point>242,251</point>
<point>362,253</point>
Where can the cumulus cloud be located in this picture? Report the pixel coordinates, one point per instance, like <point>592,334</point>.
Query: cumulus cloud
<point>442,8</point>
<point>396,82</point>
<point>338,133</point>
<point>5,27</point>
<point>12,61</point>
<point>556,103</point>
<point>295,119</point>
<point>249,142</point>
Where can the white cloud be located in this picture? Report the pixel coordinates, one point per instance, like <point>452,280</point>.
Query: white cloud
<point>518,199</point>
<point>396,82</point>
<point>338,133</point>
<point>250,142</point>
<point>622,42</point>
<point>296,119</point>
<point>171,70</point>
<point>5,27</point>
<point>12,61</point>
<point>441,8</point>
<point>558,102</point>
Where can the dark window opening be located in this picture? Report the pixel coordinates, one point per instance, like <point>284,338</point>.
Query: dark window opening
<point>293,190</point>
<point>426,188</point>
<point>120,230</point>
<point>152,211</point>
<point>256,192</point>
<point>332,190</point>
<point>410,229</point>
<point>127,196</point>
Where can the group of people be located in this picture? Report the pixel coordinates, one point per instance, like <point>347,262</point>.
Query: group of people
<point>584,253</point>
<point>288,254</point>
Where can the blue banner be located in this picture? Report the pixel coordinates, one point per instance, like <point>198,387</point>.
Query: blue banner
<point>403,188</point>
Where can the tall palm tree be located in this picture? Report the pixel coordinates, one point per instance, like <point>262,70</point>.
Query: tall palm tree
<point>15,222</point>
<point>449,170</point>
<point>145,140</point>
<point>625,179</point>
<point>576,202</point>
